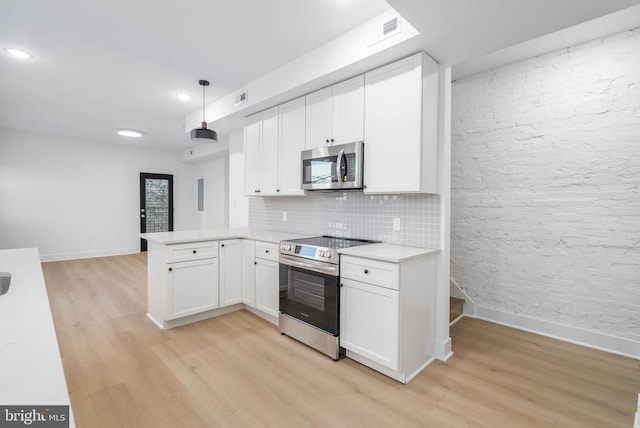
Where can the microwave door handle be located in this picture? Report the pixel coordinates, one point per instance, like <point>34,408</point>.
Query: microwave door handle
<point>339,167</point>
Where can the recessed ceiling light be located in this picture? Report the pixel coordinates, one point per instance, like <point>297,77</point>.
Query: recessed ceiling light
<point>17,53</point>
<point>130,133</point>
<point>183,96</point>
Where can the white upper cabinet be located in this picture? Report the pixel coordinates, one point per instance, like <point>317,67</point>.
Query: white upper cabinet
<point>261,153</point>
<point>292,135</point>
<point>335,115</point>
<point>401,127</point>
<point>252,161</point>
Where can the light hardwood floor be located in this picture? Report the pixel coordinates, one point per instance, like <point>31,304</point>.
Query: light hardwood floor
<point>237,370</point>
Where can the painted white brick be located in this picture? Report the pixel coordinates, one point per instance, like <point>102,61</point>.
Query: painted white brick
<point>546,186</point>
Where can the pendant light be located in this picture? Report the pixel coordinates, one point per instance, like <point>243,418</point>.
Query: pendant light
<point>203,135</point>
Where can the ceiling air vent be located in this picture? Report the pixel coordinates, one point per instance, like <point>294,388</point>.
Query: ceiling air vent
<point>385,30</point>
<point>390,26</point>
<point>241,98</point>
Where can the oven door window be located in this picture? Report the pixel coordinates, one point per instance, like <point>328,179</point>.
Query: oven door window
<point>310,297</point>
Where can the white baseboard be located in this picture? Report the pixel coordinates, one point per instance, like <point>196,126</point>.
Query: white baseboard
<point>591,339</point>
<point>87,254</point>
<point>443,350</point>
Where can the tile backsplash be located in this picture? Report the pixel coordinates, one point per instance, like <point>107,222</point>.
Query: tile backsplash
<point>353,215</point>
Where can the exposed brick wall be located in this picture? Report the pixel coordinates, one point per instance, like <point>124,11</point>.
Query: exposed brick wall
<point>546,186</point>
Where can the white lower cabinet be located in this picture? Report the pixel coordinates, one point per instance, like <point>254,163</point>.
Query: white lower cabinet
<point>230,256</point>
<point>182,282</point>
<point>248,273</point>
<point>267,278</point>
<point>370,322</point>
<point>387,314</point>
<point>191,288</point>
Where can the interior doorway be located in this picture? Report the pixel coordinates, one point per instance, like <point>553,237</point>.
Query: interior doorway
<point>156,204</point>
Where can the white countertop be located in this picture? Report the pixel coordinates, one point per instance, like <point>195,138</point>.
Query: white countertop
<point>383,252</point>
<point>181,237</point>
<point>388,252</point>
<point>31,370</point>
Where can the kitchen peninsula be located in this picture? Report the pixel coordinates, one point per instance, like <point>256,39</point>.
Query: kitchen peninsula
<point>195,275</point>
<point>198,274</point>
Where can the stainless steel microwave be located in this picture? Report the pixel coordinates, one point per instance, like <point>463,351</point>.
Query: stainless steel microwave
<point>333,167</point>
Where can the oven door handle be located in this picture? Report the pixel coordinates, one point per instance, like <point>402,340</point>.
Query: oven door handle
<point>319,267</point>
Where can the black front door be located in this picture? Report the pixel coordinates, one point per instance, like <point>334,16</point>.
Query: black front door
<point>156,204</point>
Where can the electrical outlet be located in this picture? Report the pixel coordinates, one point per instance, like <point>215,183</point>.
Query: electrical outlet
<point>396,224</point>
<point>284,216</point>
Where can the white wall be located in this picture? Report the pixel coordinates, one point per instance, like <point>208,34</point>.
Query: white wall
<point>238,203</point>
<point>545,229</point>
<point>74,199</point>
<point>214,172</point>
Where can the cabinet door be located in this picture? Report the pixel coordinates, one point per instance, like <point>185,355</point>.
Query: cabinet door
<point>348,111</point>
<point>393,126</point>
<point>269,152</point>
<point>369,322</point>
<point>267,286</point>
<point>248,273</point>
<point>318,118</point>
<point>230,273</point>
<point>192,288</point>
<point>292,134</point>
<point>252,155</point>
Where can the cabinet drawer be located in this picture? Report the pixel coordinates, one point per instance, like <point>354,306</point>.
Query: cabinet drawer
<point>192,251</point>
<point>369,271</point>
<point>267,250</point>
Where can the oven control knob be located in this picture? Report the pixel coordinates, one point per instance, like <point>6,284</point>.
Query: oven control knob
<point>328,254</point>
<point>288,248</point>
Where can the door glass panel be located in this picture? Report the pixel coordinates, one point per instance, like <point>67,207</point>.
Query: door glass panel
<point>157,205</point>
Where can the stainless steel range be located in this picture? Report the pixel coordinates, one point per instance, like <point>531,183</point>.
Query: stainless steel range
<point>310,291</point>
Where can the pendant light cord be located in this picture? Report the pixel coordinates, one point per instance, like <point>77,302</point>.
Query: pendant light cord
<point>203,114</point>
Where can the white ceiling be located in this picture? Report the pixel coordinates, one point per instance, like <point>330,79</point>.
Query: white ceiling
<point>103,65</point>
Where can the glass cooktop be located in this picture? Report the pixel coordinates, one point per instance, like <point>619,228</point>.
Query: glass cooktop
<point>332,242</point>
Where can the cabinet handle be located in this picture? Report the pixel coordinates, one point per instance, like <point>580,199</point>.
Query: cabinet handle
<point>332,140</point>
<point>327,140</point>
<point>255,263</point>
<point>222,245</point>
<point>170,269</point>
<point>194,251</point>
<point>277,190</point>
<point>266,251</point>
<point>366,271</point>
<point>341,285</point>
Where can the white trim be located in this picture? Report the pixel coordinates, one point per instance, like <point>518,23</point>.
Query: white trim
<point>443,350</point>
<point>400,376</point>
<point>443,338</point>
<point>458,318</point>
<point>88,254</point>
<point>591,339</point>
<point>273,320</point>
